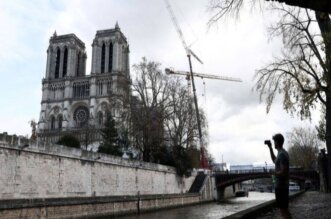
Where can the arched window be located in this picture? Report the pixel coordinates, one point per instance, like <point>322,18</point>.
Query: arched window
<point>52,122</point>
<point>103,57</point>
<point>57,63</point>
<point>110,60</point>
<point>65,62</point>
<point>100,118</point>
<point>60,118</point>
<point>78,64</point>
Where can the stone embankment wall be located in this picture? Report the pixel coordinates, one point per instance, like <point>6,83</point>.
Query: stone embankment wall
<point>92,207</point>
<point>51,171</point>
<point>40,180</point>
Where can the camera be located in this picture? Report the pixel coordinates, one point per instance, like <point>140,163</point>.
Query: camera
<point>267,142</point>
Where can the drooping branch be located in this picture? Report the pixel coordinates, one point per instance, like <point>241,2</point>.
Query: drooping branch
<point>225,8</point>
<point>316,5</point>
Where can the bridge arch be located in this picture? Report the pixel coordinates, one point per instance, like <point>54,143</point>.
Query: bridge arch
<point>223,180</point>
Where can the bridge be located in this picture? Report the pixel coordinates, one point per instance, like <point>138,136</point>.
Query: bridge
<point>225,179</point>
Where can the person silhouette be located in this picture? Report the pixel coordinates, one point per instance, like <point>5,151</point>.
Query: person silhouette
<point>281,174</point>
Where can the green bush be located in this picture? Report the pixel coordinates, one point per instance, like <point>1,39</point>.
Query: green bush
<point>110,140</point>
<point>69,140</point>
<point>175,156</point>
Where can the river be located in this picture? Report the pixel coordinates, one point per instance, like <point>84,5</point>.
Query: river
<point>207,211</point>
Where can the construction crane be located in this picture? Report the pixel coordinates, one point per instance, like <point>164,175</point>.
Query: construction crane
<point>201,75</point>
<point>189,52</point>
<point>180,33</point>
<point>190,75</point>
<point>171,71</point>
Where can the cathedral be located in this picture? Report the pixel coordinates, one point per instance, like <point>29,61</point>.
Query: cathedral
<point>75,103</point>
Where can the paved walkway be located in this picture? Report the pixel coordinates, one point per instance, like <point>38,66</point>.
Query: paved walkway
<point>312,205</point>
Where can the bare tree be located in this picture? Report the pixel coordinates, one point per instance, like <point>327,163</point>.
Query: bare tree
<point>299,73</point>
<point>303,147</point>
<point>151,88</point>
<point>303,73</point>
<point>233,7</point>
<point>181,123</point>
<point>161,112</point>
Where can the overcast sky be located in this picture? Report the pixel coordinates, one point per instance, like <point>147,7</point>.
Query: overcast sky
<point>238,123</point>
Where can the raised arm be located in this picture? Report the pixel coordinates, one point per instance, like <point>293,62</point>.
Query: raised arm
<point>272,155</point>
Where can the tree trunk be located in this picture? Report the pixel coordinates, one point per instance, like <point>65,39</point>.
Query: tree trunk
<point>328,136</point>
<point>316,5</point>
<point>324,23</point>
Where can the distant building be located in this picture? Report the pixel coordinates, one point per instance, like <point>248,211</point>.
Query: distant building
<point>222,167</point>
<point>76,103</point>
<point>241,168</point>
<point>246,168</point>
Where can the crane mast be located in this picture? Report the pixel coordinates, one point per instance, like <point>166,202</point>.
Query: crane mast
<point>189,52</point>
<point>180,33</point>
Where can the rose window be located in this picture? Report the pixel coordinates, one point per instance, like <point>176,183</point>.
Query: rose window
<point>81,115</point>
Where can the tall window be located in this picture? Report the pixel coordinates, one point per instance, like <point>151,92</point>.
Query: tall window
<point>110,60</point>
<point>60,121</point>
<point>99,88</point>
<point>57,63</point>
<point>103,57</point>
<point>65,62</point>
<point>81,89</point>
<point>100,118</point>
<point>78,64</point>
<point>52,122</point>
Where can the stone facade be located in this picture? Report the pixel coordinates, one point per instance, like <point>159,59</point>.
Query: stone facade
<point>76,103</point>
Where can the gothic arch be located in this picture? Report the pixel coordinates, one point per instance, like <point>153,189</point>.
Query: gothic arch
<point>103,57</point>
<point>78,61</point>
<point>60,120</point>
<point>100,119</point>
<point>52,120</point>
<point>65,61</point>
<point>57,63</point>
<point>102,106</point>
<point>55,110</point>
<point>110,60</point>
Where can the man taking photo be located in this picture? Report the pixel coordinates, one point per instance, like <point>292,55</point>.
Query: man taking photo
<point>281,174</point>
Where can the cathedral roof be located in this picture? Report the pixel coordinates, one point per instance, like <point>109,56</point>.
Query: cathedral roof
<point>67,38</point>
<point>109,32</point>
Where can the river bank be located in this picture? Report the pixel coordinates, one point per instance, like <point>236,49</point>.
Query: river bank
<point>311,204</point>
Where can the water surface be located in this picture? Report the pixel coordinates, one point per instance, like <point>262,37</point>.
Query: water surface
<point>207,211</point>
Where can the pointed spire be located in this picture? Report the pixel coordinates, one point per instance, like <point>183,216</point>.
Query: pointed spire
<point>116,26</point>
<point>54,34</point>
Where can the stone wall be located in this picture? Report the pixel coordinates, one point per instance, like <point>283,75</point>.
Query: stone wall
<point>51,171</point>
<point>92,207</point>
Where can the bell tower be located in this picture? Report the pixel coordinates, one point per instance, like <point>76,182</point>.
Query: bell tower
<point>110,52</point>
<point>66,57</point>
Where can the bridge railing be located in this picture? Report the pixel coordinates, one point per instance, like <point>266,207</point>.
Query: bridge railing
<point>228,178</point>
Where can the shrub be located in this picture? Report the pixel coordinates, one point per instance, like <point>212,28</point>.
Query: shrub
<point>69,140</point>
